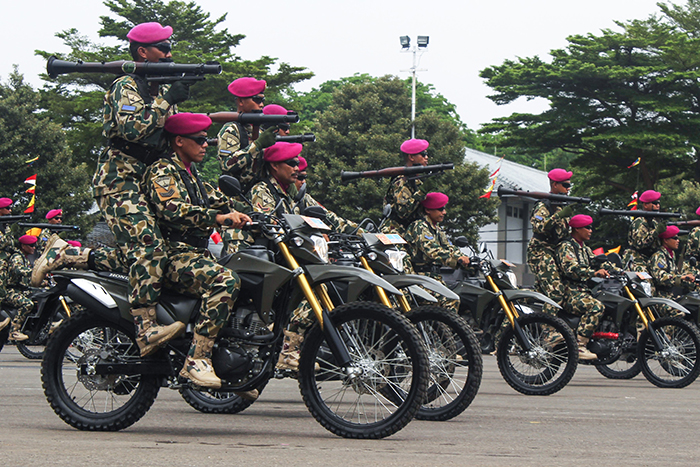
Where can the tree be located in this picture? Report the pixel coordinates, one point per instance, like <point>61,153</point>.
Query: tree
<point>362,128</point>
<point>614,98</point>
<point>61,183</point>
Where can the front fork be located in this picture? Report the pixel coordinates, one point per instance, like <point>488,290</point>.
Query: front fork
<point>381,293</point>
<point>511,314</point>
<point>646,320</point>
<point>333,339</point>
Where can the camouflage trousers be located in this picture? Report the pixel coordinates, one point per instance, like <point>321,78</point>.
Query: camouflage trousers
<point>3,279</point>
<point>131,220</point>
<point>195,273</point>
<point>108,259</point>
<point>442,301</point>
<point>547,279</point>
<point>234,240</point>
<point>582,303</point>
<point>20,300</point>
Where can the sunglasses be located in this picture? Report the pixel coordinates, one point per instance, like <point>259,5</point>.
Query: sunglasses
<point>197,139</point>
<point>58,218</point>
<point>675,238</point>
<point>302,177</point>
<point>442,209</point>
<point>258,99</point>
<point>292,162</point>
<point>284,126</point>
<point>588,227</point>
<point>657,202</point>
<point>565,184</point>
<point>164,47</point>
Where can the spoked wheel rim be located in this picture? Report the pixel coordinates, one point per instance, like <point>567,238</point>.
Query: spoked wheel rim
<point>675,364</point>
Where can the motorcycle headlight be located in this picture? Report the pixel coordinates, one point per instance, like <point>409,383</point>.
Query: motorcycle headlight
<point>320,247</point>
<point>510,275</point>
<point>396,259</point>
<point>646,287</point>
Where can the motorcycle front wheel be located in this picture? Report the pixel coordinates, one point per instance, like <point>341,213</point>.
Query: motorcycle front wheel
<point>89,401</point>
<point>675,364</point>
<point>384,386</point>
<point>542,370</point>
<point>454,358</point>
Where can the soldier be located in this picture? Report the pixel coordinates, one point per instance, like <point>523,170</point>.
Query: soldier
<point>133,121</point>
<point>549,228</point>
<point>643,235</point>
<point>19,271</point>
<point>54,217</point>
<point>281,168</point>
<point>405,193</point>
<point>280,129</point>
<point>576,264</point>
<point>240,156</point>
<point>662,267</point>
<point>188,210</point>
<point>692,250</point>
<point>428,245</point>
<point>6,250</point>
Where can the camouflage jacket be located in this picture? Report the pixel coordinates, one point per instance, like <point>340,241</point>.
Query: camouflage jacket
<point>338,223</point>
<point>266,194</point>
<point>692,249</point>
<point>428,246</point>
<point>7,244</point>
<point>576,263</point>
<point>662,267</point>
<point>128,116</point>
<point>244,163</point>
<point>547,230</point>
<point>405,196</point>
<point>642,238</point>
<point>19,271</point>
<point>181,201</point>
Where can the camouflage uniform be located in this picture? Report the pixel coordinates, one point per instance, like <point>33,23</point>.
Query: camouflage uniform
<point>266,194</point>
<point>133,121</point>
<point>692,249</point>
<point>663,270</point>
<point>336,222</point>
<point>404,195</point>
<point>548,230</point>
<point>430,249</point>
<point>576,266</point>
<point>242,161</point>
<point>7,248</point>
<point>186,209</point>
<point>643,241</point>
<point>19,272</point>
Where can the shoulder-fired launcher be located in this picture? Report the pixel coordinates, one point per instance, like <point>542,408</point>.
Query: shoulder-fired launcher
<point>253,118</point>
<point>13,219</point>
<point>396,171</point>
<point>658,214</point>
<point>52,227</point>
<point>542,195</point>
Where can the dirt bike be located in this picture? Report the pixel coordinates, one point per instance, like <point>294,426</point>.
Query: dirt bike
<point>94,378</point>
<point>50,310</point>
<point>511,325</point>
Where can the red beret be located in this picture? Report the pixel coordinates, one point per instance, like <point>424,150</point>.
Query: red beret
<point>27,239</point>
<point>74,243</point>
<point>302,164</point>
<point>414,146</point>
<point>5,202</point>
<point>149,33</point>
<point>53,213</point>
<point>671,231</point>
<point>649,196</point>
<point>697,211</point>
<point>274,109</point>
<point>434,200</point>
<point>186,123</point>
<point>282,151</point>
<point>247,87</point>
<point>559,175</point>
<point>580,220</point>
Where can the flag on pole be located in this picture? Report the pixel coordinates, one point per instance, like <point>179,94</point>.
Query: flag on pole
<point>489,190</point>
<point>216,237</point>
<point>31,161</point>
<point>31,190</point>
<point>30,208</point>
<point>635,163</point>
<point>500,162</point>
<point>633,204</point>
<point>31,180</point>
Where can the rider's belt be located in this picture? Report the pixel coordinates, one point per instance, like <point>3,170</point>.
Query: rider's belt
<point>143,153</point>
<point>192,240</point>
<point>433,269</point>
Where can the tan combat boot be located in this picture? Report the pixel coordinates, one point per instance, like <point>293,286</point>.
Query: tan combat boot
<point>198,368</point>
<point>583,352</point>
<point>289,356</point>
<point>149,334</point>
<point>58,253</point>
<point>4,323</point>
<point>15,333</point>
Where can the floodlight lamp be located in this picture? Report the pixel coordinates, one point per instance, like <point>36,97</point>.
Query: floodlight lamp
<point>423,41</point>
<point>405,41</point>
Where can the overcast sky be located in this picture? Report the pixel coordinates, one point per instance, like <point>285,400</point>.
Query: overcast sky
<point>337,39</point>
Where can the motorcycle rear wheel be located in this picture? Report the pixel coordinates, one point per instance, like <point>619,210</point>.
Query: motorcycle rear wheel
<point>454,356</point>
<point>676,364</point>
<point>4,335</point>
<point>541,371</point>
<point>622,368</point>
<point>216,402</point>
<point>388,390</point>
<point>95,402</point>
<point>33,349</point>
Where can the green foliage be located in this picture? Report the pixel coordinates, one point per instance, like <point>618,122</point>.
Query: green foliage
<point>362,128</point>
<point>61,183</point>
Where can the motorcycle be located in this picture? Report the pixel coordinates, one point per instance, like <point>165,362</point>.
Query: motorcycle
<point>373,365</point>
<point>512,326</point>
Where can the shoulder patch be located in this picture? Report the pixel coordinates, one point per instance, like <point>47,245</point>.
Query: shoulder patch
<point>127,108</point>
<point>539,218</point>
<point>165,187</point>
<point>429,237</point>
<point>661,265</point>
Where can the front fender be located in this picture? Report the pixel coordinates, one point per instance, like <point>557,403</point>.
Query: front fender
<point>651,301</point>
<point>422,294</point>
<point>357,279</point>
<point>404,280</point>
<point>515,294</point>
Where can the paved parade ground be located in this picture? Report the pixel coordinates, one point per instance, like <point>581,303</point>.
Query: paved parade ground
<point>593,421</point>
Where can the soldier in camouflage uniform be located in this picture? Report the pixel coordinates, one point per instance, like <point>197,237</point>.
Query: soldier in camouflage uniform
<point>643,235</point>
<point>54,217</point>
<point>134,116</point>
<point>188,210</point>
<point>662,267</point>
<point>7,248</point>
<point>549,228</point>
<point>18,296</point>
<point>240,156</point>
<point>576,264</point>
<point>692,250</point>
<point>428,245</point>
